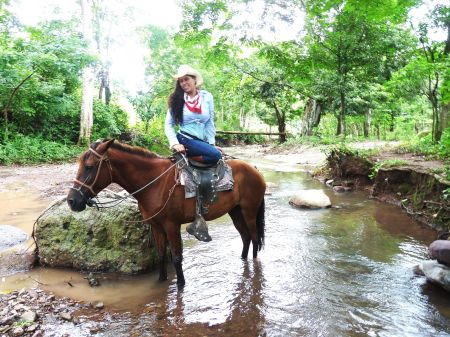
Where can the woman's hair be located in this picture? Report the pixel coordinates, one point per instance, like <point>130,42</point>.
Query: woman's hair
<point>176,102</point>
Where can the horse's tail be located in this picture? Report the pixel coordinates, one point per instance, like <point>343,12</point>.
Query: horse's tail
<point>260,224</point>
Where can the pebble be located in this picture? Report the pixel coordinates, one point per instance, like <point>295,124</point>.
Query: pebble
<point>29,316</point>
<point>32,328</point>
<point>65,316</point>
<point>18,331</point>
<point>99,305</point>
<point>32,307</point>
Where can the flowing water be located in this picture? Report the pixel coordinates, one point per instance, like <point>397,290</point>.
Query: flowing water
<point>344,271</point>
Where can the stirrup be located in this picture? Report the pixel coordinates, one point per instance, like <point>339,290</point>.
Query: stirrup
<point>201,236</point>
<point>199,229</point>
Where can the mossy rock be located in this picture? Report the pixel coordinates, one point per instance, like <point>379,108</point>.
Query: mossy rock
<point>95,240</point>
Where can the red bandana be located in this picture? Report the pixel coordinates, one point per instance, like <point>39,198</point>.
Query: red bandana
<point>193,104</point>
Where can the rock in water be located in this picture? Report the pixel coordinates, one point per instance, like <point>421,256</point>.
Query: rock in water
<point>437,273</point>
<point>16,254</point>
<point>11,236</point>
<point>311,199</point>
<point>95,240</point>
<point>440,250</point>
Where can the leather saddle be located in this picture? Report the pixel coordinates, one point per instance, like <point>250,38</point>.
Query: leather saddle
<point>205,178</point>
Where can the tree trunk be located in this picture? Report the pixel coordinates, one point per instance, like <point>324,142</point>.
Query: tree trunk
<point>341,116</point>
<point>86,116</point>
<point>367,122</point>
<point>242,117</point>
<point>436,129</point>
<point>445,107</point>
<point>311,116</point>
<point>392,123</point>
<point>9,103</point>
<point>281,119</point>
<point>104,86</point>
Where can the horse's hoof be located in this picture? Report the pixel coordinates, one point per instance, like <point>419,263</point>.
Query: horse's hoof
<point>181,284</point>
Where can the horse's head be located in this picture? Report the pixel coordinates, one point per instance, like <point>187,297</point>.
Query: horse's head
<point>94,174</point>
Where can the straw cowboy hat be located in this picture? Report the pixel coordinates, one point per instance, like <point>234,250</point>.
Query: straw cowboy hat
<point>184,70</point>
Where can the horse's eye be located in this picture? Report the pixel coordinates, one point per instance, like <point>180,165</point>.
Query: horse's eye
<point>88,168</point>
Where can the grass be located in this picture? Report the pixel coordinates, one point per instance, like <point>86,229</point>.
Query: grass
<point>386,164</point>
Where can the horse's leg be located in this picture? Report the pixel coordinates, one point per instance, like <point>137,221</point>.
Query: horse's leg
<point>250,218</point>
<point>239,223</point>
<point>176,247</point>
<point>161,245</point>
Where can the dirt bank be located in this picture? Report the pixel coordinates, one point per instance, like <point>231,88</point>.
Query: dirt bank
<point>418,186</point>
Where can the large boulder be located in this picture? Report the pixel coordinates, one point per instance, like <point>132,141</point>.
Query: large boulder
<point>95,240</point>
<point>436,273</point>
<point>311,199</point>
<point>11,236</point>
<point>16,251</point>
<point>440,250</point>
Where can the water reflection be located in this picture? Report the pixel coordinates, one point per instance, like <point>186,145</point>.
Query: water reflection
<point>237,312</point>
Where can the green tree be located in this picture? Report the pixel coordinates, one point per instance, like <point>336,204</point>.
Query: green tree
<point>45,103</point>
<point>347,40</point>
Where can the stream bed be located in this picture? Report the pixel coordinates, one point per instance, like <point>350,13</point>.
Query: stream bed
<point>343,271</point>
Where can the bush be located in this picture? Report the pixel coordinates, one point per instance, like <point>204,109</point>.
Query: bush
<point>22,150</point>
<point>153,138</point>
<point>444,145</point>
<point>109,120</point>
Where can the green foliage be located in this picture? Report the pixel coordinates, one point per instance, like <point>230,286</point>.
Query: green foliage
<point>355,59</point>
<point>109,120</point>
<point>426,146</point>
<point>47,60</point>
<point>149,136</point>
<point>23,150</point>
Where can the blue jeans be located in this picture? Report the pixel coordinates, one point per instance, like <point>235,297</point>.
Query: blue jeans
<point>195,147</point>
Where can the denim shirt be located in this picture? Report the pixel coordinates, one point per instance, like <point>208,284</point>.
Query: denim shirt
<point>198,125</point>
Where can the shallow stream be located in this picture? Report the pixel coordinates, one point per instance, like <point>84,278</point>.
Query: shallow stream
<point>344,271</point>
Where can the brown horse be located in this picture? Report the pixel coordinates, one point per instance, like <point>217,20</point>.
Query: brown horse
<point>163,203</point>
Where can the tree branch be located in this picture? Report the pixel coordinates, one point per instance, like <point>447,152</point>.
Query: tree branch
<point>8,105</point>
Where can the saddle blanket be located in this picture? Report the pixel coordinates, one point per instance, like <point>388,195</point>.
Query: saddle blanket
<point>190,188</point>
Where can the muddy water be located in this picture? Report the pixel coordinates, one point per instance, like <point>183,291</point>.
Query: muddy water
<point>345,271</point>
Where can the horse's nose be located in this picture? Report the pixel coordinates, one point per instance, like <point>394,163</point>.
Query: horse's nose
<point>70,202</point>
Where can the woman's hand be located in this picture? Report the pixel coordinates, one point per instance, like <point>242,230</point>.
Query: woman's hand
<point>179,148</point>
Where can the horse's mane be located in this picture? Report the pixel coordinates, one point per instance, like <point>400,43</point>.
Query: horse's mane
<point>137,150</point>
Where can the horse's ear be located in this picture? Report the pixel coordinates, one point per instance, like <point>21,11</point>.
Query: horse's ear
<point>109,143</point>
<point>103,147</point>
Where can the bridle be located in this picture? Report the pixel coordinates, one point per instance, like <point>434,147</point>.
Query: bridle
<point>108,204</point>
<point>103,158</point>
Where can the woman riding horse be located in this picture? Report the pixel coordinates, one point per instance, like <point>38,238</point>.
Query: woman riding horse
<point>162,202</point>
<point>192,110</point>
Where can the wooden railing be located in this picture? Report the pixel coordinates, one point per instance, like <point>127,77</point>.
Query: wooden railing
<point>251,133</point>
